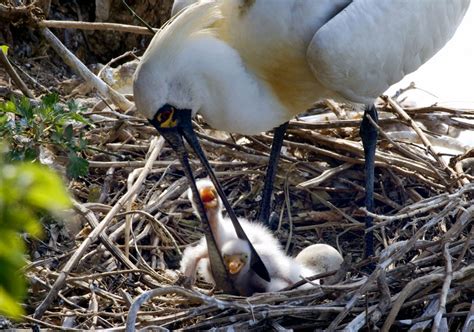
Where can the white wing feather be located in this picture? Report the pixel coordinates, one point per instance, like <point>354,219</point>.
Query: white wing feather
<point>179,5</point>
<point>372,44</point>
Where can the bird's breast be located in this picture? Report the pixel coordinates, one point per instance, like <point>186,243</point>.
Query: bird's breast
<point>288,76</point>
<point>271,38</point>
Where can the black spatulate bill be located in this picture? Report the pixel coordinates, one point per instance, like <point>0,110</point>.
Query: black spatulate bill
<point>219,271</point>
<point>173,125</point>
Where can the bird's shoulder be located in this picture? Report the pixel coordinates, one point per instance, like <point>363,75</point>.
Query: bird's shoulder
<point>378,42</point>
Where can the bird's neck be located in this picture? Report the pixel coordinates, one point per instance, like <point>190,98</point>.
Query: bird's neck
<point>216,220</point>
<point>230,97</point>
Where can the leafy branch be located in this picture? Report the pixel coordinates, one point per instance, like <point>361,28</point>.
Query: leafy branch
<point>26,127</point>
<point>27,192</point>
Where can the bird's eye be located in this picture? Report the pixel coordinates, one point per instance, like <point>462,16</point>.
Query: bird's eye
<point>165,117</point>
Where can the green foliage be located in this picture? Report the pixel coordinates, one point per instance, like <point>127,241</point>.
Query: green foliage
<point>77,166</point>
<point>26,127</point>
<point>27,191</point>
<point>4,49</point>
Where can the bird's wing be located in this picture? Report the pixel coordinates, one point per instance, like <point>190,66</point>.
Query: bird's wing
<point>372,44</point>
<point>179,5</point>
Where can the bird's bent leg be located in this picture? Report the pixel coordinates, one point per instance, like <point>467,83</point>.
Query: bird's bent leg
<point>277,143</point>
<point>368,134</point>
<point>190,261</point>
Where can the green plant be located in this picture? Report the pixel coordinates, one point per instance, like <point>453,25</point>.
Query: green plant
<point>27,126</point>
<point>27,191</point>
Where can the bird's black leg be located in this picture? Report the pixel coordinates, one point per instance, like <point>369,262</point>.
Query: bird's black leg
<point>278,135</point>
<point>369,134</point>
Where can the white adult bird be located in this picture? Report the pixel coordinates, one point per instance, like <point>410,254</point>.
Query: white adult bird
<point>248,66</point>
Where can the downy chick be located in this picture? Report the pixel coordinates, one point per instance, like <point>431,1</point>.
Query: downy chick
<point>284,270</point>
<point>196,257</point>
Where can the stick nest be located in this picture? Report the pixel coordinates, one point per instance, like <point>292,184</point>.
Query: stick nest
<point>423,226</point>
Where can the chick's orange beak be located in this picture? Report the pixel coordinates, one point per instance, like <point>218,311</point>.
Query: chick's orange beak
<point>235,264</point>
<point>208,197</point>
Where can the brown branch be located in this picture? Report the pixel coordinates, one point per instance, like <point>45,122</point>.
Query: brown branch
<point>469,323</point>
<point>414,285</point>
<point>423,138</point>
<point>14,75</point>
<point>106,91</point>
<point>444,291</point>
<point>155,148</point>
<point>189,294</point>
<point>95,26</point>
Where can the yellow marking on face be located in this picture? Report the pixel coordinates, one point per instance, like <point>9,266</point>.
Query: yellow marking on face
<point>165,119</point>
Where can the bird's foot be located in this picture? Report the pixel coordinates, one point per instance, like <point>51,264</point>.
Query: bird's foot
<point>212,291</point>
<point>185,281</point>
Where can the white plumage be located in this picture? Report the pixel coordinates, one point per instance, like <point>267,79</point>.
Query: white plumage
<point>179,5</point>
<point>256,232</point>
<point>196,258</point>
<point>381,42</point>
<point>284,270</point>
<point>248,66</point>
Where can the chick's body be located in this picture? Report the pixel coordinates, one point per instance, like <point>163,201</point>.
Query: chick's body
<point>284,270</point>
<point>196,258</point>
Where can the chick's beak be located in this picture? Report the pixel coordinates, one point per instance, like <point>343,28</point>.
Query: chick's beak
<point>235,264</point>
<point>208,198</point>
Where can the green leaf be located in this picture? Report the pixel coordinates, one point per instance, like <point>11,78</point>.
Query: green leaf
<point>94,193</point>
<point>30,154</point>
<point>46,190</point>
<point>8,107</point>
<point>72,106</point>
<point>4,49</point>
<point>50,122</point>
<point>11,253</point>
<point>8,306</point>
<point>68,133</point>
<point>25,109</point>
<point>3,120</point>
<point>82,143</point>
<point>79,118</point>
<point>25,220</point>
<point>77,166</point>
<point>50,100</point>
<point>27,191</point>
